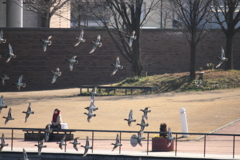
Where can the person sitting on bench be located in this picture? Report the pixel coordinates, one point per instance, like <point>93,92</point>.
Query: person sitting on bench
<point>56,119</point>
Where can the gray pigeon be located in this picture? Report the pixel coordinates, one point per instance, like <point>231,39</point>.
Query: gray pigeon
<point>10,54</point>
<point>62,142</point>
<point>145,111</point>
<point>9,117</point>
<point>117,66</point>
<point>25,156</point>
<point>3,78</point>
<point>40,146</point>
<point>2,105</point>
<point>46,42</point>
<point>20,84</point>
<point>130,118</point>
<point>80,39</point>
<point>3,144</point>
<point>47,131</point>
<point>222,58</point>
<point>92,106</point>
<point>28,112</point>
<point>142,124</point>
<point>117,143</point>
<point>72,61</point>
<point>96,44</point>
<point>131,38</point>
<point>75,143</point>
<point>86,147</point>
<point>56,74</point>
<point>170,138</point>
<point>90,114</point>
<point>140,138</point>
<point>1,37</point>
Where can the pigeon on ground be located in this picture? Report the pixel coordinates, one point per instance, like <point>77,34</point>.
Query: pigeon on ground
<point>92,106</point>
<point>97,43</point>
<point>72,61</point>
<point>62,142</point>
<point>90,114</point>
<point>86,147</point>
<point>131,38</point>
<point>25,156</point>
<point>170,138</point>
<point>40,146</point>
<point>10,54</point>
<point>117,143</point>
<point>3,144</point>
<point>75,143</point>
<point>47,131</point>
<point>20,84</point>
<point>56,74</point>
<point>28,112</point>
<point>117,66</point>
<point>46,42</point>
<point>145,111</point>
<point>143,124</point>
<point>130,118</point>
<point>1,37</point>
<point>2,105</point>
<point>3,78</point>
<point>9,117</point>
<point>80,39</point>
<point>222,58</point>
<point>140,138</point>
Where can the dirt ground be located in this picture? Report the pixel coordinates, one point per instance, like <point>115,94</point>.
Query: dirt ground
<point>206,111</point>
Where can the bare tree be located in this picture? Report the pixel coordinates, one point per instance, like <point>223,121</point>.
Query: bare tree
<point>126,17</point>
<point>227,14</point>
<point>46,8</point>
<point>194,15</point>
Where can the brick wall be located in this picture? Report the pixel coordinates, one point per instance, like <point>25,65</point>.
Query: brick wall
<point>163,51</point>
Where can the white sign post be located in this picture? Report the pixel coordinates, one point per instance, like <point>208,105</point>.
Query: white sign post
<point>184,124</point>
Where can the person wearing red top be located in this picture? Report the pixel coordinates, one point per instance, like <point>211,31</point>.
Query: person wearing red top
<point>56,119</point>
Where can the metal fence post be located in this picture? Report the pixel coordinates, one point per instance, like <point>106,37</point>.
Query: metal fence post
<point>147,143</point>
<point>233,146</point>
<point>120,139</point>
<point>12,141</point>
<point>92,140</point>
<point>176,146</point>
<point>204,152</point>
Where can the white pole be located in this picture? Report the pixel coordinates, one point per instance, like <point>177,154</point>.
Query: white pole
<point>14,13</point>
<point>184,124</point>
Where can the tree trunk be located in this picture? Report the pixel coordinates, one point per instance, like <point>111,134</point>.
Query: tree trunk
<point>228,52</point>
<point>136,59</point>
<point>192,61</point>
<point>45,22</point>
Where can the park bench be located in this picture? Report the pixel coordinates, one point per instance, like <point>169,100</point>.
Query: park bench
<point>38,134</point>
<point>108,89</point>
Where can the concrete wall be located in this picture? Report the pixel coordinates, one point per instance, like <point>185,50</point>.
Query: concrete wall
<point>2,14</point>
<point>163,51</point>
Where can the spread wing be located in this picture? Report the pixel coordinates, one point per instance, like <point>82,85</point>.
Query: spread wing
<point>93,49</point>
<point>54,78</point>
<point>98,39</point>
<point>81,34</point>
<point>219,64</point>
<point>114,71</point>
<point>25,156</point>
<point>1,101</point>
<point>44,47</point>
<point>49,37</point>
<point>117,61</point>
<point>222,53</point>
<point>10,48</point>
<point>130,42</point>
<point>10,113</point>
<point>130,114</point>
<point>1,34</point>
<point>20,79</point>
<point>70,66</point>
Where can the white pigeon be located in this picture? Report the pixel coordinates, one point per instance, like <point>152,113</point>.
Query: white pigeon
<point>140,138</point>
<point>40,146</point>
<point>72,61</point>
<point>25,156</point>
<point>3,144</point>
<point>130,118</point>
<point>28,112</point>
<point>117,66</point>
<point>20,84</point>
<point>10,54</point>
<point>80,39</point>
<point>47,131</point>
<point>90,114</point>
<point>3,78</point>
<point>145,111</point>
<point>46,42</point>
<point>92,106</point>
<point>56,74</point>
<point>143,124</point>
<point>62,142</point>
<point>86,147</point>
<point>131,38</point>
<point>170,138</point>
<point>9,117</point>
<point>96,44</point>
<point>1,37</point>
<point>117,143</point>
<point>2,105</point>
<point>222,58</point>
<point>75,143</point>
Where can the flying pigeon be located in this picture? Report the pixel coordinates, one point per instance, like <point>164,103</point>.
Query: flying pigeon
<point>117,66</point>
<point>2,105</point>
<point>139,138</point>
<point>9,117</point>
<point>10,54</point>
<point>92,106</point>
<point>131,38</point>
<point>222,58</point>
<point>1,37</point>
<point>130,118</point>
<point>28,112</point>
<point>40,146</point>
<point>47,131</point>
<point>56,74</point>
<point>170,138</point>
<point>90,114</point>
<point>86,147</point>
<point>62,142</point>
<point>20,84</point>
<point>145,111</point>
<point>3,144</point>
<point>97,43</point>
<point>46,42</point>
<point>72,61</point>
<point>80,39</point>
<point>3,78</point>
<point>75,143</point>
<point>117,143</point>
<point>142,124</point>
<point>25,156</point>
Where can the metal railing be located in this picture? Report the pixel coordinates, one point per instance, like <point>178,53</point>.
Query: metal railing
<point>204,135</point>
